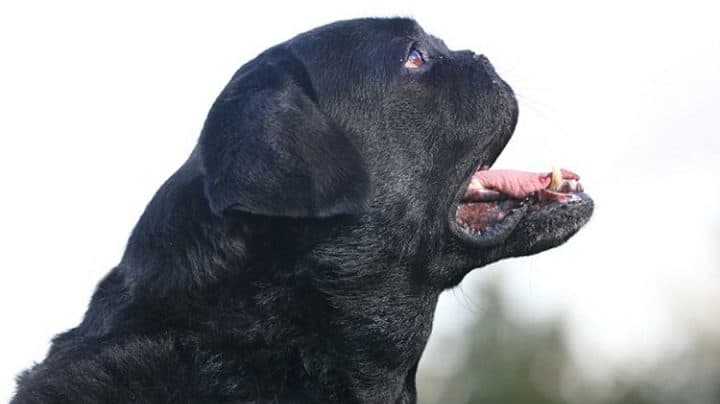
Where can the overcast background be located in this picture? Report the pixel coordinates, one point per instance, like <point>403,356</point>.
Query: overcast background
<point>100,103</point>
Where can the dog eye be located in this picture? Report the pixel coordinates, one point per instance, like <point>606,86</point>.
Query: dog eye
<point>414,59</point>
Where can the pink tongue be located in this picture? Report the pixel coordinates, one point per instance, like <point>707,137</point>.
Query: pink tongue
<point>517,184</point>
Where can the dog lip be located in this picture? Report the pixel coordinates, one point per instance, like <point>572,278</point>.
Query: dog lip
<point>455,225</point>
<point>526,212</point>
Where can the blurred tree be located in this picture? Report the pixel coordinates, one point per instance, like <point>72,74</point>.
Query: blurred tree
<point>507,361</point>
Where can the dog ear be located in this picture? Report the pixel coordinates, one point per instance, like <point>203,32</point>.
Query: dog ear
<point>268,149</point>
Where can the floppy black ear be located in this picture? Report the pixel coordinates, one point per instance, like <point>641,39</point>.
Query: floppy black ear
<point>268,149</point>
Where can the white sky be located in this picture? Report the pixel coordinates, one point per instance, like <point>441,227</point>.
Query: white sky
<point>100,103</point>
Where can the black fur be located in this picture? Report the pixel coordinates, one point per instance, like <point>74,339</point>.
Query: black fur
<point>298,254</point>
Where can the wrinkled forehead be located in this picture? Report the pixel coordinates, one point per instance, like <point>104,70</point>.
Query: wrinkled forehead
<point>354,49</point>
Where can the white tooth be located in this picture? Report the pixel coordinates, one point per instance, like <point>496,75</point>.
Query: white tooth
<point>572,185</point>
<point>475,184</point>
<point>556,180</point>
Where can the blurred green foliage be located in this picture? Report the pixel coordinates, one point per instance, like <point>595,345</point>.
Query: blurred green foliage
<point>504,360</point>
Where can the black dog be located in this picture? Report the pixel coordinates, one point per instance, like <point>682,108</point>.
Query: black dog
<point>298,254</point>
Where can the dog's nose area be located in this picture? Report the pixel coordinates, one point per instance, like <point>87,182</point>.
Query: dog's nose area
<point>481,65</point>
<point>485,62</point>
<point>482,59</point>
<point>474,56</point>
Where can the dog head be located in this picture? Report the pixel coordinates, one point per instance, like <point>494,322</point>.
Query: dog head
<point>368,132</point>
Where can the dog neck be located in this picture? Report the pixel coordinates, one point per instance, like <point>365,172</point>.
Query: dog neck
<point>279,308</point>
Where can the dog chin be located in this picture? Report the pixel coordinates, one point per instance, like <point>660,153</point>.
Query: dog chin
<point>549,226</point>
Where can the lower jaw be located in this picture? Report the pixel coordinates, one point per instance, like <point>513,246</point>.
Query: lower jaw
<point>496,222</point>
<point>482,230</point>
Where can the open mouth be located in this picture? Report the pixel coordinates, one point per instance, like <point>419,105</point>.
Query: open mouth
<point>496,201</point>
